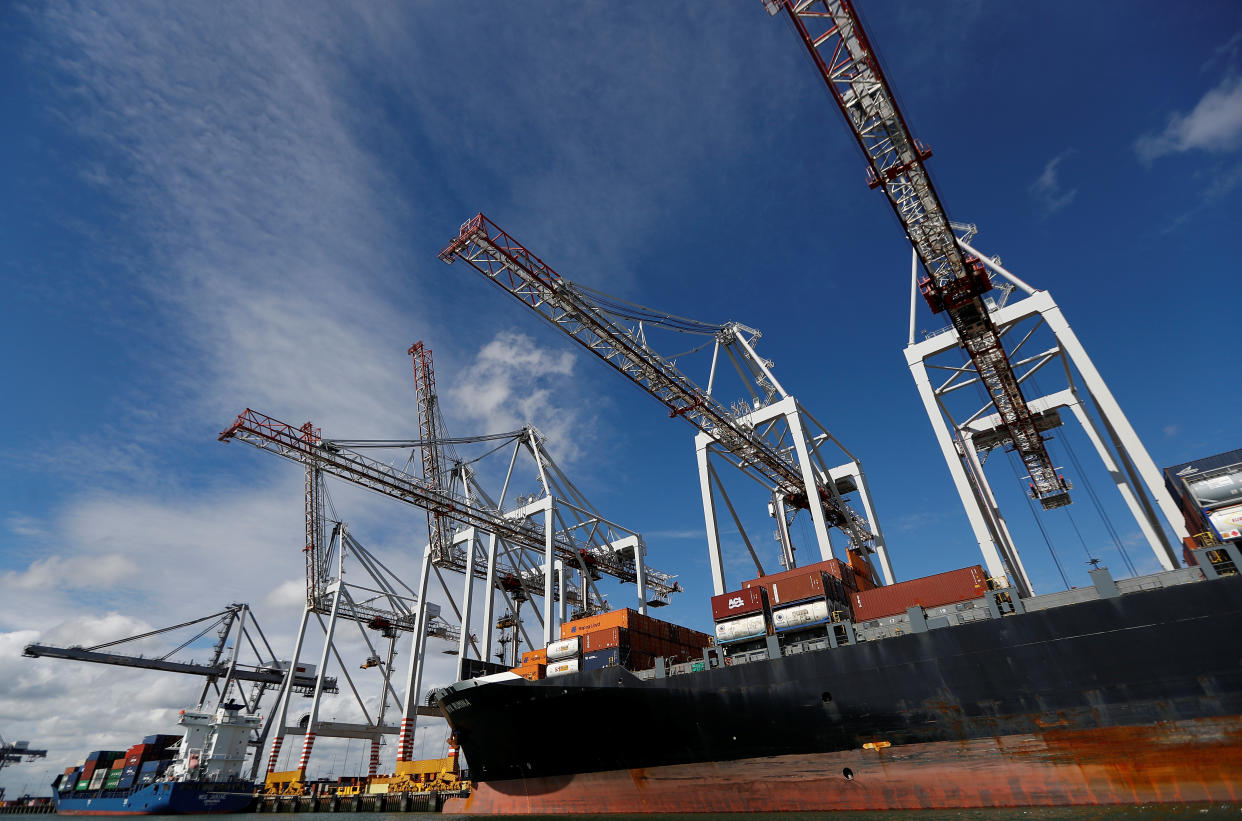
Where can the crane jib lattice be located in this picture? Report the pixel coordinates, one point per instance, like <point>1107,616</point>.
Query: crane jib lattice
<point>306,445</point>
<point>579,313</point>
<point>955,283</point>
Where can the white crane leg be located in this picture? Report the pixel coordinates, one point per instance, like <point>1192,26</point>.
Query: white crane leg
<point>1129,446</point>
<point>974,509</point>
<point>467,599</point>
<point>413,681</point>
<point>820,526</point>
<point>489,622</point>
<point>702,443</point>
<point>309,742</point>
<point>286,692</point>
<point>881,548</point>
<point>1129,493</point>
<point>1000,529</point>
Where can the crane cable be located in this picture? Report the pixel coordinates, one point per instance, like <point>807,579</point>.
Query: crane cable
<point>1095,501</point>
<point>1018,475</point>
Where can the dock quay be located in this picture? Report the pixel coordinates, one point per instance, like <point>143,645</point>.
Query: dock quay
<point>394,802</point>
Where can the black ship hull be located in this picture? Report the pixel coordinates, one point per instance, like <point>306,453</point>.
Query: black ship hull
<point>1105,673</point>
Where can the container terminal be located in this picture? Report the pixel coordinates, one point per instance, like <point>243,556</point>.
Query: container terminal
<point>827,685</point>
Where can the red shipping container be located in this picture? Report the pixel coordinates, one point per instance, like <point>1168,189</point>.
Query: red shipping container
<point>833,567</point>
<point>119,764</point>
<point>930,591</point>
<point>739,603</point>
<point>605,639</point>
<point>797,587</point>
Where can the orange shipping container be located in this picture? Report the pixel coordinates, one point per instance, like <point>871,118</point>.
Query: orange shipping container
<point>539,656</point>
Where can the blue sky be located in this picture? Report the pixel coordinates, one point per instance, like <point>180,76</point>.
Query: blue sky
<point>209,208</point>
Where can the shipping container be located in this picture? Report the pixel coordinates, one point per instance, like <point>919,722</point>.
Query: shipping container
<point>114,778</point>
<point>97,779</point>
<point>739,603</point>
<point>161,740</point>
<point>600,659</point>
<point>746,627</point>
<point>930,591</point>
<point>803,614</point>
<point>606,639</point>
<point>539,656</point>
<point>562,667</point>
<point>563,649</point>
<point>119,764</point>
<point>864,570</point>
<point>833,567</point>
<point>532,672</point>
<point>126,782</point>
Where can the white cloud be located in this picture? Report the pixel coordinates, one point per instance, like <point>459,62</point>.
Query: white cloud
<point>1048,190</point>
<point>514,382</point>
<point>1213,125</point>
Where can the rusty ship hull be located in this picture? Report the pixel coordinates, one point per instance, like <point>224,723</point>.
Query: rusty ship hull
<point>1131,699</point>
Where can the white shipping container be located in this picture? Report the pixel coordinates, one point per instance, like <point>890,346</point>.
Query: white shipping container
<point>561,668</point>
<point>743,628</point>
<point>798,615</point>
<point>565,648</point>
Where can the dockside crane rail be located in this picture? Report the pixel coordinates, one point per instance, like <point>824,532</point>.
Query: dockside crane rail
<point>306,445</point>
<point>956,279</point>
<point>616,332</point>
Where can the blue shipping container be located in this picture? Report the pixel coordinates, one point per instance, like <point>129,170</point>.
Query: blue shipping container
<point>126,782</point>
<point>150,766</point>
<point>601,659</point>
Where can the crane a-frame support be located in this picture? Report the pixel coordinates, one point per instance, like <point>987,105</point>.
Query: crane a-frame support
<point>1115,441</point>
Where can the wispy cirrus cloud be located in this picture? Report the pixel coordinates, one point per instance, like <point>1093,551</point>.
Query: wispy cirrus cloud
<point>1214,125</point>
<point>1048,190</point>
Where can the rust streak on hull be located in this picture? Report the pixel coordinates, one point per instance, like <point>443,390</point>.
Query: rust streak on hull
<point>1187,761</point>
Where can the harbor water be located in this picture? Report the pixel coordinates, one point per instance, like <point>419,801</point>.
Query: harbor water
<point>1197,812</point>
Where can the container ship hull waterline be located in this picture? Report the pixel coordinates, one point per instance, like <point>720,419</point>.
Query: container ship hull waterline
<point>1121,699</point>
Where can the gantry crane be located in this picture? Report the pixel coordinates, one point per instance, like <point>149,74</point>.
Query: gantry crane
<point>615,331</point>
<point>956,281</point>
<point>307,446</point>
<point>15,753</point>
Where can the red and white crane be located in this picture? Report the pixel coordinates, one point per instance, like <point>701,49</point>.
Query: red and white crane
<point>955,282</point>
<point>766,436</point>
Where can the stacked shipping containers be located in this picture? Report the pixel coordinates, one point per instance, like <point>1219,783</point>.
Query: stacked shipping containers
<point>742,615</point>
<point>806,598</point>
<point>621,638</point>
<point>952,587</point>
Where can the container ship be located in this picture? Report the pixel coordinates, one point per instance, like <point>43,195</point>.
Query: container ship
<point>196,772</point>
<point>821,690</point>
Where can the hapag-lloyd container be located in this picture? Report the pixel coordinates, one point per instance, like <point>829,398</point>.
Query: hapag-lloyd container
<point>739,603</point>
<point>931,591</point>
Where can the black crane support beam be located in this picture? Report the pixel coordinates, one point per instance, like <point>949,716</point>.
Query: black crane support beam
<point>239,673</point>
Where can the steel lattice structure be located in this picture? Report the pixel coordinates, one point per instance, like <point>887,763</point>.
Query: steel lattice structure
<point>306,446</point>
<point>502,259</point>
<point>955,282</point>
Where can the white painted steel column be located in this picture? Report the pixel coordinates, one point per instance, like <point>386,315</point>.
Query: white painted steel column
<point>1000,529</point>
<point>489,622</point>
<point>816,505</point>
<point>782,530</point>
<point>702,443</point>
<point>1128,441</point>
<point>309,741</point>
<point>640,572</point>
<point>286,692</point>
<point>467,599</point>
<point>413,681</point>
<point>970,502</point>
<point>914,291</point>
<point>549,524</point>
<point>881,547</point>
<point>1147,525</point>
<point>1027,289</point>
<point>560,594</point>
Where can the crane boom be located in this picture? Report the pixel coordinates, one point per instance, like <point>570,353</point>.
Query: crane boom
<point>500,258</point>
<point>306,446</point>
<point>955,283</point>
